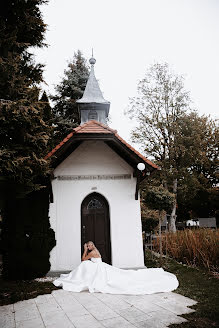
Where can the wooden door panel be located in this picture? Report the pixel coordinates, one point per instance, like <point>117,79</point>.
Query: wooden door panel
<point>100,235</point>
<point>88,226</point>
<point>100,228</point>
<point>95,224</point>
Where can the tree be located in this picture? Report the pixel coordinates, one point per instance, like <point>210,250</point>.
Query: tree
<point>27,237</point>
<point>47,116</point>
<point>161,102</point>
<point>69,90</point>
<point>169,130</point>
<point>149,218</point>
<point>21,27</point>
<point>197,192</point>
<point>24,134</point>
<point>46,108</point>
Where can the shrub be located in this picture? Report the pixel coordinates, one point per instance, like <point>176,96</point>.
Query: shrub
<point>159,198</point>
<point>149,225</point>
<point>27,237</point>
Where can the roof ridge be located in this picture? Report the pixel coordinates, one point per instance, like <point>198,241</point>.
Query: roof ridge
<point>75,131</point>
<point>104,126</point>
<point>78,128</point>
<point>81,127</point>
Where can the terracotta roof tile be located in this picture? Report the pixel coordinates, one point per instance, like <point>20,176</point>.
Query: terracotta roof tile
<point>136,152</point>
<point>97,127</point>
<point>94,127</point>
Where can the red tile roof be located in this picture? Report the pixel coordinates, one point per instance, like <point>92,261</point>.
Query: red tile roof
<point>94,127</point>
<point>136,152</point>
<point>97,127</point>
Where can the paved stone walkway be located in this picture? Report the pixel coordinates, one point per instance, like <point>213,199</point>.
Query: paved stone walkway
<point>63,309</point>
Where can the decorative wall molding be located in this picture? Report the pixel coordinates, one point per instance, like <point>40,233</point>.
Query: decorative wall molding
<point>95,177</point>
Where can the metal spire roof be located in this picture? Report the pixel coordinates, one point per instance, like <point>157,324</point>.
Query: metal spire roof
<point>92,92</point>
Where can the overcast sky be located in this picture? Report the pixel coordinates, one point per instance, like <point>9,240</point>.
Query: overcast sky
<point>130,35</point>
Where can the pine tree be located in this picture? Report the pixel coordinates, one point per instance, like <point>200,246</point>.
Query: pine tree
<point>27,237</point>
<point>24,134</point>
<point>69,90</point>
<point>46,108</point>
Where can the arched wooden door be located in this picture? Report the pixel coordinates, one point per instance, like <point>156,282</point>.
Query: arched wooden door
<point>95,224</point>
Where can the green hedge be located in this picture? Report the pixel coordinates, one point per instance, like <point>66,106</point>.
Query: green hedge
<point>27,237</point>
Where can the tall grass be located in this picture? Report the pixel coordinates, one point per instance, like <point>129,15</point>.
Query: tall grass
<point>194,247</point>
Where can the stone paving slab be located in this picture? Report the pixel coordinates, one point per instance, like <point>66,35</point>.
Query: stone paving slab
<point>63,309</point>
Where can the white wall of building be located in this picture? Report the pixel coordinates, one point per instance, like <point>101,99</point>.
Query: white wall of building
<point>92,158</point>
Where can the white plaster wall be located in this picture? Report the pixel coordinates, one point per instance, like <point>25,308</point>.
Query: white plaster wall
<point>95,157</point>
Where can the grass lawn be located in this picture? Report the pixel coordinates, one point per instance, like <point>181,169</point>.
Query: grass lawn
<point>197,284</point>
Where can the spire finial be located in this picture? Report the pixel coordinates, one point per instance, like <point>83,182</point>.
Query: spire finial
<point>92,60</point>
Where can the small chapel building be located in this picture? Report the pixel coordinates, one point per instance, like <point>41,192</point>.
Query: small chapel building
<point>96,189</point>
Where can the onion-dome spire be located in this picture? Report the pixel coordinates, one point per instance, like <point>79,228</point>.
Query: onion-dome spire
<point>93,98</point>
<point>92,60</point>
<point>92,92</point>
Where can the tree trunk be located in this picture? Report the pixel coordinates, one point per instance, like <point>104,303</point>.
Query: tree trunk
<point>161,217</point>
<point>160,240</point>
<point>172,226</point>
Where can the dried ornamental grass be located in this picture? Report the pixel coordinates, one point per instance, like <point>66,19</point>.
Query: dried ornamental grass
<point>194,247</point>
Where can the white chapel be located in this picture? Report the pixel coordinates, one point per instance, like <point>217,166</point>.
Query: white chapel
<point>95,189</point>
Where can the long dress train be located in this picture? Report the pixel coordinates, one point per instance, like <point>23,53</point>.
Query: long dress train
<point>97,276</point>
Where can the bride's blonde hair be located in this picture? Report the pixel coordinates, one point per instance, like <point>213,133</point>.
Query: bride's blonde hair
<point>91,242</point>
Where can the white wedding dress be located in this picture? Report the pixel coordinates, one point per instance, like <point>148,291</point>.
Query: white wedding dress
<point>97,276</point>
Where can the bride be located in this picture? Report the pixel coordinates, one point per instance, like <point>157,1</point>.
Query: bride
<point>96,276</point>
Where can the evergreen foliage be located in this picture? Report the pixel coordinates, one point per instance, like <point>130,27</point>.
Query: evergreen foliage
<point>21,27</point>
<point>46,108</point>
<point>69,90</point>
<point>24,134</point>
<point>27,237</point>
<point>47,116</point>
